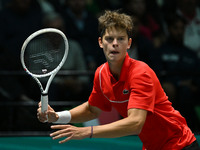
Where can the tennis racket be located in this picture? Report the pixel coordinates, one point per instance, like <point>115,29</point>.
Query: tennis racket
<point>43,53</point>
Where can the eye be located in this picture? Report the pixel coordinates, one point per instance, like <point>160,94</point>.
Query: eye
<point>120,38</point>
<point>109,39</point>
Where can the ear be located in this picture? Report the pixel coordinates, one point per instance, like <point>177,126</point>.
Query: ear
<point>100,42</point>
<point>129,43</point>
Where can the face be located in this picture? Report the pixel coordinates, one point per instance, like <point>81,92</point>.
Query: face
<point>137,6</point>
<point>177,31</point>
<point>56,23</point>
<point>22,5</point>
<point>188,5</point>
<point>77,6</point>
<point>115,43</point>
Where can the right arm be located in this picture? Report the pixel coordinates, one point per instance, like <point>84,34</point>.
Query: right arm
<point>81,113</point>
<point>84,112</point>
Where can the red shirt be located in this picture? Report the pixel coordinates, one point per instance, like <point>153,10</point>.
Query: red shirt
<point>139,87</point>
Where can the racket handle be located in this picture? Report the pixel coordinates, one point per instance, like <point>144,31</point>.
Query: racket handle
<point>44,102</point>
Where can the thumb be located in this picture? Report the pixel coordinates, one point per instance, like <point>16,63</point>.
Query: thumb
<point>52,116</point>
<point>50,108</point>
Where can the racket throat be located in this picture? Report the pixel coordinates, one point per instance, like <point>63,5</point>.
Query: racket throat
<point>44,94</point>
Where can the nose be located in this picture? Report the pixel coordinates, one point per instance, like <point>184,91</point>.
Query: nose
<point>115,42</point>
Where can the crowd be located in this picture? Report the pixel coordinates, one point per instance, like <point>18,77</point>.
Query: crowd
<point>166,36</point>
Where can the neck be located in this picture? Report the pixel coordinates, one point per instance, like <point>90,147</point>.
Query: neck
<point>115,69</point>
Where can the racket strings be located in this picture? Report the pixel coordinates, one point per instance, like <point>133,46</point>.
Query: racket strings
<point>44,53</point>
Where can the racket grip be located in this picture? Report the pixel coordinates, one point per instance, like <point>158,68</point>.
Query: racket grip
<point>44,102</point>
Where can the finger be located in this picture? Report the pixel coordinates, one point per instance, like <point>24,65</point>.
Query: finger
<point>58,132</point>
<point>49,107</point>
<point>42,119</point>
<point>41,116</point>
<point>39,110</point>
<point>69,134</point>
<point>39,104</point>
<point>65,140</point>
<point>50,112</point>
<point>51,116</point>
<point>59,126</point>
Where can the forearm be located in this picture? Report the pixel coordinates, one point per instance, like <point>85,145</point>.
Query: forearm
<point>82,113</point>
<point>119,128</point>
<point>131,125</point>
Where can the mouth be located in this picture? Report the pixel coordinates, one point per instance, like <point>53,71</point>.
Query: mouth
<point>114,52</point>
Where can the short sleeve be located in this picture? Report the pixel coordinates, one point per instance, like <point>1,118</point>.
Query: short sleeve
<point>142,94</point>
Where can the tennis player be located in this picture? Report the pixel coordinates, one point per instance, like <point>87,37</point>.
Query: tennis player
<point>132,88</point>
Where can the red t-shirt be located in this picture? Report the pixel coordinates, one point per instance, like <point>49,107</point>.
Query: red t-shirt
<point>139,87</point>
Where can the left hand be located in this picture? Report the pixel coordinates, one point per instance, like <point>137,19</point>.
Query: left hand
<point>70,132</point>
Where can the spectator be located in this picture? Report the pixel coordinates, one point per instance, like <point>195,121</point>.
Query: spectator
<point>56,5</point>
<point>46,6</point>
<point>174,57</point>
<point>18,20</point>
<point>190,11</point>
<point>82,26</point>
<point>148,25</point>
<point>68,87</point>
<point>141,46</point>
<point>109,4</point>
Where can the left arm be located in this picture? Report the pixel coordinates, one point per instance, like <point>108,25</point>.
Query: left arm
<point>130,125</point>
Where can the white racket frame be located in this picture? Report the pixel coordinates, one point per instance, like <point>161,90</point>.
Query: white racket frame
<point>44,92</point>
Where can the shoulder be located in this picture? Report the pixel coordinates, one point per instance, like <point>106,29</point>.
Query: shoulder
<point>142,77</point>
<point>99,69</point>
<point>138,66</point>
<point>139,70</point>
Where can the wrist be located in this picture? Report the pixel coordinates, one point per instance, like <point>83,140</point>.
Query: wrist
<point>63,117</point>
<point>91,133</point>
<point>57,117</point>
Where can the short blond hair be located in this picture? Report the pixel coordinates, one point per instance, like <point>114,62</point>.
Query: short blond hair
<point>115,19</point>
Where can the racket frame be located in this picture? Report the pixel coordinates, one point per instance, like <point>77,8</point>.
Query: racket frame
<point>44,92</point>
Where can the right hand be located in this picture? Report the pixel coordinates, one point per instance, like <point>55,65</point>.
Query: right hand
<point>50,113</point>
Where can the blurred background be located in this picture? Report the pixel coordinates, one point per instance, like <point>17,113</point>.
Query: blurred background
<point>166,36</point>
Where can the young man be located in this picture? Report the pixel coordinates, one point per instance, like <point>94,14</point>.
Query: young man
<point>133,89</point>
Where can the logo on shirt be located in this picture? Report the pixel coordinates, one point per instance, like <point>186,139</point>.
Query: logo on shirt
<point>125,91</point>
